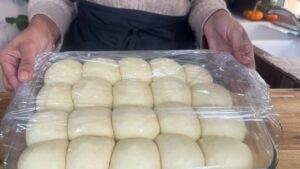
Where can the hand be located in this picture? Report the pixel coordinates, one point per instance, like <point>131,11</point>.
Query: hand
<point>17,58</point>
<point>224,33</point>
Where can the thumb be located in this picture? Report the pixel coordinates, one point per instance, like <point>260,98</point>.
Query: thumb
<point>241,46</point>
<point>28,53</point>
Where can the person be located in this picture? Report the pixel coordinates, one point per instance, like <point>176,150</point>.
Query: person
<point>122,25</point>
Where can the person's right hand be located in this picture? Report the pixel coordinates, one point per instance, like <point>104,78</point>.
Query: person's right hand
<point>17,58</point>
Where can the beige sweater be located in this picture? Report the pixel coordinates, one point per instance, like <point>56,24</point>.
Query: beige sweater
<point>62,12</point>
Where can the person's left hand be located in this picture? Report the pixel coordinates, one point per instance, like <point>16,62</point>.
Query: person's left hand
<point>224,33</point>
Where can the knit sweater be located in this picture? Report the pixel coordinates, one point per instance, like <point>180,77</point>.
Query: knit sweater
<point>62,12</point>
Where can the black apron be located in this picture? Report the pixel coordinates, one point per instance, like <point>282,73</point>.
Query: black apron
<point>105,28</point>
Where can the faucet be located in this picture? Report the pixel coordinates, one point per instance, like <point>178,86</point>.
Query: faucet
<point>284,12</point>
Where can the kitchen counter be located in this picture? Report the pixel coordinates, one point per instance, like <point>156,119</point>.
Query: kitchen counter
<point>286,103</point>
<point>287,67</point>
<point>276,51</point>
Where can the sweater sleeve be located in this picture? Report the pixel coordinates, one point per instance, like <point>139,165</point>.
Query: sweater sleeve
<point>201,10</point>
<point>61,12</point>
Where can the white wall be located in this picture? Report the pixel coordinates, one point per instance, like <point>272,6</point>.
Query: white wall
<point>9,8</point>
<point>293,5</point>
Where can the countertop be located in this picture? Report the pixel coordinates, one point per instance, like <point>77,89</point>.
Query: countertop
<point>286,103</point>
<point>286,65</point>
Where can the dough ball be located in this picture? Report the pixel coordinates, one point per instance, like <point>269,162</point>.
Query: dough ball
<point>132,93</point>
<point>89,92</point>
<point>196,74</point>
<point>230,127</point>
<point>103,68</point>
<point>178,119</point>
<point>55,96</point>
<point>45,126</point>
<point>89,152</point>
<point>93,121</point>
<point>164,67</point>
<point>226,153</point>
<point>135,153</point>
<point>135,68</point>
<point>135,122</point>
<point>65,71</point>
<point>169,89</point>
<point>46,155</point>
<point>210,95</point>
<point>179,152</point>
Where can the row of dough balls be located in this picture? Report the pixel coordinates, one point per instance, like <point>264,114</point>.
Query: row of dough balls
<point>91,91</point>
<point>70,71</point>
<point>129,122</point>
<point>167,151</point>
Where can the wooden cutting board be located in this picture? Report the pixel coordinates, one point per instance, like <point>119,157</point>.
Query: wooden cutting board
<point>286,103</point>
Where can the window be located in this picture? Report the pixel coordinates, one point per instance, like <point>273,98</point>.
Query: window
<point>293,5</point>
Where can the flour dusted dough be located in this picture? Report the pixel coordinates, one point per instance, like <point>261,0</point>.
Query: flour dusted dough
<point>179,152</point>
<point>165,67</point>
<point>135,68</point>
<point>177,118</point>
<point>135,122</point>
<point>231,127</point>
<point>92,121</point>
<point>209,94</point>
<point>55,96</point>
<point>226,153</point>
<point>65,71</point>
<point>170,89</point>
<point>103,68</point>
<point>132,93</point>
<point>46,155</point>
<point>196,74</point>
<point>89,152</point>
<point>91,91</point>
<point>45,126</point>
<point>135,153</point>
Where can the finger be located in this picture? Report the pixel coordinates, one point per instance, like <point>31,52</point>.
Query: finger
<point>251,65</point>
<point>241,46</point>
<point>211,40</point>
<point>10,73</point>
<point>5,81</point>
<point>215,39</point>
<point>51,47</point>
<point>215,42</point>
<point>28,53</point>
<point>248,47</point>
<point>243,52</point>
<point>6,84</point>
<point>9,63</point>
<point>249,51</point>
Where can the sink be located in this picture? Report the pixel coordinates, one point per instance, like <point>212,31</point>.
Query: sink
<point>258,31</point>
<point>288,49</point>
<point>278,43</point>
<point>278,51</point>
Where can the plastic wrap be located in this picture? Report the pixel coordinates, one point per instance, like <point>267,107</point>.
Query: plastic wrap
<point>145,104</point>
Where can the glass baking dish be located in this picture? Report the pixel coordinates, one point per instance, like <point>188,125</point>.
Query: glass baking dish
<point>250,97</point>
